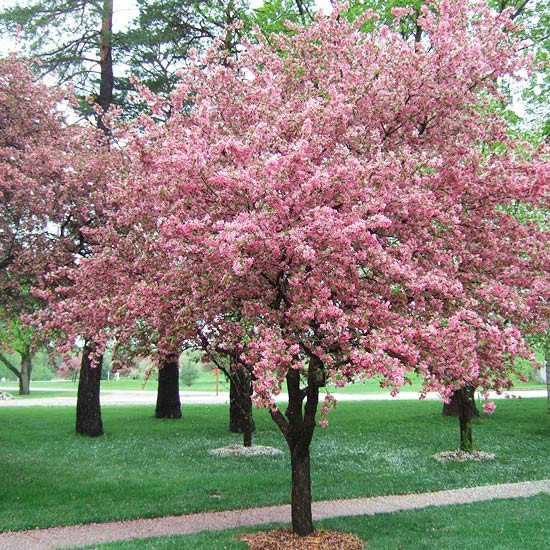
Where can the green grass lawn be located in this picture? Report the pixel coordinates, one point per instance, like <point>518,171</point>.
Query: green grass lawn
<point>515,523</point>
<point>145,467</point>
<point>205,382</point>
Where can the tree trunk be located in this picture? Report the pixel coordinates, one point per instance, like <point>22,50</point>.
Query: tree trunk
<point>240,404</point>
<point>168,395</point>
<point>25,373</point>
<point>465,396</point>
<point>106,83</point>
<point>298,428</point>
<point>451,408</point>
<point>302,520</point>
<point>88,408</point>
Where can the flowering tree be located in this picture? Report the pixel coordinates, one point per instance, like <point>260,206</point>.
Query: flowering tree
<point>333,210</point>
<point>34,159</point>
<point>51,176</point>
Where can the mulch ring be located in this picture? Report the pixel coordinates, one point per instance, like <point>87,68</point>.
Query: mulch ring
<point>462,456</point>
<point>283,539</point>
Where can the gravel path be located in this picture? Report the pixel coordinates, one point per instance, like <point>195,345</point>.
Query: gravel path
<point>82,535</point>
<point>148,397</point>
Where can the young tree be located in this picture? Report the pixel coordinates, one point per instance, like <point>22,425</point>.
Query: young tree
<point>16,338</point>
<point>333,209</point>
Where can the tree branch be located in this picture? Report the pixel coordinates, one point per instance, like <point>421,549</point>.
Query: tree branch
<point>9,365</point>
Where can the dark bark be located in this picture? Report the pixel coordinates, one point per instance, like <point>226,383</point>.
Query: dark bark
<point>88,408</point>
<point>25,373</point>
<point>298,428</point>
<point>240,404</point>
<point>465,397</point>
<point>168,395</point>
<point>451,408</point>
<point>106,84</point>
<point>302,520</point>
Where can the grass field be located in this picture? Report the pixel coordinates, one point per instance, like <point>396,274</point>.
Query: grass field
<point>515,523</point>
<point>145,467</point>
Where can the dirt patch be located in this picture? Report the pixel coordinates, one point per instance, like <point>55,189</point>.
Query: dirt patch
<point>283,539</point>
<point>461,456</point>
<point>241,450</point>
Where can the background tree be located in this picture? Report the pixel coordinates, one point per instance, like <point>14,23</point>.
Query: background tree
<point>17,339</point>
<point>158,40</point>
<point>66,38</point>
<point>52,177</point>
<point>73,41</point>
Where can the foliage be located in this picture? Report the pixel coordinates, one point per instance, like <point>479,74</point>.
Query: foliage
<point>271,16</point>
<point>51,178</point>
<point>378,246</point>
<point>157,44</point>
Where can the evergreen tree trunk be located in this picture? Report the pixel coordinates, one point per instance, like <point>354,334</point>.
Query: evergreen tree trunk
<point>106,83</point>
<point>451,408</point>
<point>465,396</point>
<point>168,395</point>
<point>25,373</point>
<point>240,405</point>
<point>88,408</point>
<point>298,428</point>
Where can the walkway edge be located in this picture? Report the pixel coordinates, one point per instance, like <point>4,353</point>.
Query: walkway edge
<point>97,533</point>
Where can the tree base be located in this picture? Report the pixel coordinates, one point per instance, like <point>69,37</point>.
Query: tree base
<point>285,538</point>
<point>174,412</point>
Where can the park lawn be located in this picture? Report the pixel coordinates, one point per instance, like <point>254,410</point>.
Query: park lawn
<point>206,382</point>
<point>39,393</point>
<point>515,523</point>
<point>145,467</point>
